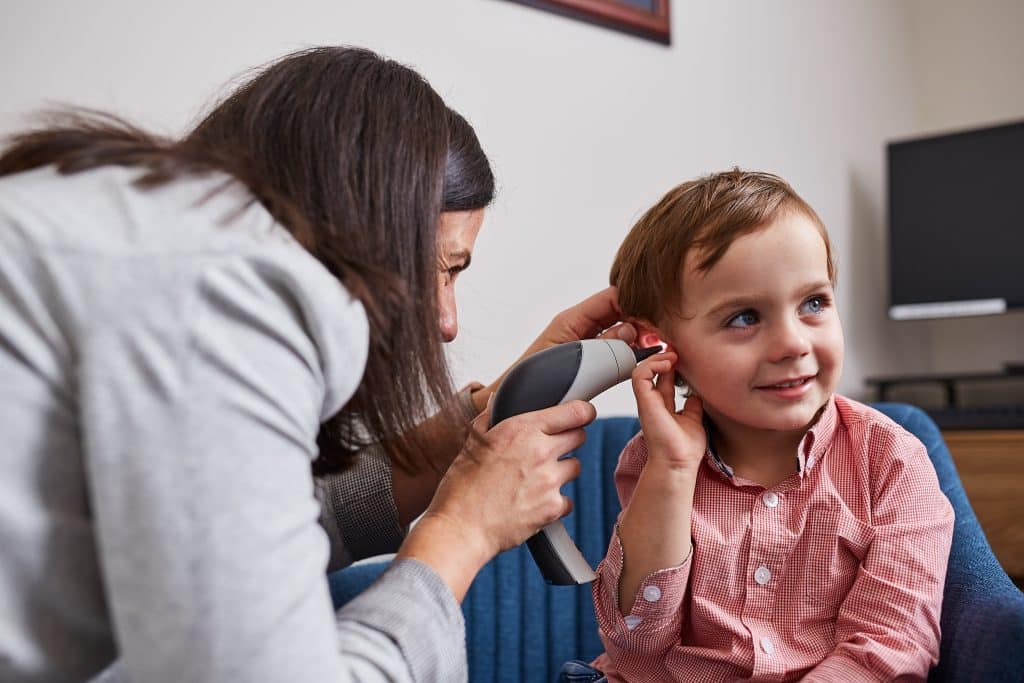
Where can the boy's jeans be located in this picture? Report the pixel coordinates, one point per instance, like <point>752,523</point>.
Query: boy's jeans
<point>575,671</point>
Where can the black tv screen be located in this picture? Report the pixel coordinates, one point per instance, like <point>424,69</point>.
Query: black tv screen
<point>956,223</point>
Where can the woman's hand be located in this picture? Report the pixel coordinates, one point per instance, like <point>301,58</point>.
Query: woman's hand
<point>677,440</point>
<point>500,490</point>
<point>598,316</point>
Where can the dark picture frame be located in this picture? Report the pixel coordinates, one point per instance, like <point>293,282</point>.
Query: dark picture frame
<point>646,19</point>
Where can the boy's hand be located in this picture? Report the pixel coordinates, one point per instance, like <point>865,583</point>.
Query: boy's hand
<point>677,440</point>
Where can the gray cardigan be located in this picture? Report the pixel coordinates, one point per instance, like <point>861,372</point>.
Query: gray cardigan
<point>166,358</point>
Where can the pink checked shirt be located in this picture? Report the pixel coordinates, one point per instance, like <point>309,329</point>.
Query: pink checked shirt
<point>835,574</point>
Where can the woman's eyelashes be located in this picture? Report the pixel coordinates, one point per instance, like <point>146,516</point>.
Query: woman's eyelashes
<point>451,272</point>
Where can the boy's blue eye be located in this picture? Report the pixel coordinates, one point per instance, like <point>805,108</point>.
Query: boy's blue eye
<point>743,319</point>
<point>816,304</point>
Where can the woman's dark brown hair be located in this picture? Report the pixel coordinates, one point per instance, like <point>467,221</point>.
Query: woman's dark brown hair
<point>356,156</point>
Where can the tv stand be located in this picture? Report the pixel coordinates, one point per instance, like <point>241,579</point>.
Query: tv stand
<point>949,382</point>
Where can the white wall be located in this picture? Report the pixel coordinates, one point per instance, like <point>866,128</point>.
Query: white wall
<point>586,127</point>
<point>968,62</point>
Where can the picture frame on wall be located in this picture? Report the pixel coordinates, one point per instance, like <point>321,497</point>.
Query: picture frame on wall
<point>642,18</point>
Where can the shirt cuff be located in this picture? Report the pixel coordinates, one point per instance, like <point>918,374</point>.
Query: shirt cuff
<point>658,598</point>
<point>465,399</point>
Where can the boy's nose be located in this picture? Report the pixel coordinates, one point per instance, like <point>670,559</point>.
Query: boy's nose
<point>790,341</point>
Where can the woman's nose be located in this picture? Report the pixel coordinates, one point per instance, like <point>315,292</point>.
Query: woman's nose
<point>449,315</point>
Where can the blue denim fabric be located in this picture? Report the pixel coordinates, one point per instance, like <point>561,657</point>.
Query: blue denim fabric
<point>576,671</point>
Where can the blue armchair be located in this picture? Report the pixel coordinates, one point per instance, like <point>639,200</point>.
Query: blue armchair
<point>520,629</point>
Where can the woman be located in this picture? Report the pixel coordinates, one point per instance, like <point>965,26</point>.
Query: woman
<point>177,320</point>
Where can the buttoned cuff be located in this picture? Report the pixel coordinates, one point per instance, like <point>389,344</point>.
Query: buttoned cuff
<point>656,604</point>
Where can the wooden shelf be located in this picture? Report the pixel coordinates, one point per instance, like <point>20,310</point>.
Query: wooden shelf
<point>991,467</point>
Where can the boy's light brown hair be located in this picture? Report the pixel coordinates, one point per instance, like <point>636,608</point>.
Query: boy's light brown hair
<point>707,214</point>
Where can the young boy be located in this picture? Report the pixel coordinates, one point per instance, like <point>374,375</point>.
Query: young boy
<point>772,530</point>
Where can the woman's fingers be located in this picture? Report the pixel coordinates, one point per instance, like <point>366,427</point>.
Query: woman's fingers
<point>562,418</point>
<point>568,506</point>
<point>624,331</point>
<point>586,319</point>
<point>594,313</point>
<point>567,469</point>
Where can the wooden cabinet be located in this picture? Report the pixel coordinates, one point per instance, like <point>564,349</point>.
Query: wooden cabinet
<point>991,467</point>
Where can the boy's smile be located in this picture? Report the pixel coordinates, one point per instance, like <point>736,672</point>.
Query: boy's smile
<point>759,338</point>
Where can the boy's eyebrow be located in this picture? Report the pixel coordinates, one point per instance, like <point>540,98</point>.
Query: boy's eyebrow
<point>734,303</point>
<point>739,302</point>
<point>821,284</point>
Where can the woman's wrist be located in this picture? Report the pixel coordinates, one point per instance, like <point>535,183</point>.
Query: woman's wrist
<point>479,395</point>
<point>455,551</point>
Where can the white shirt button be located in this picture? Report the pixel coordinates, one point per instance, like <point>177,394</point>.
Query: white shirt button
<point>762,575</point>
<point>652,593</point>
<point>767,645</point>
<point>632,621</point>
<point>770,498</point>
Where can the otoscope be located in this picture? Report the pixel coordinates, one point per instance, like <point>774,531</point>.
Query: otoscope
<point>577,370</point>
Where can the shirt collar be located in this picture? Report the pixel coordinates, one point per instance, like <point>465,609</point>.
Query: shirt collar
<point>816,441</point>
<point>809,451</point>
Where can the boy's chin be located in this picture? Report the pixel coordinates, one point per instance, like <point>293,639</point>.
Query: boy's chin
<point>788,418</point>
<point>781,421</point>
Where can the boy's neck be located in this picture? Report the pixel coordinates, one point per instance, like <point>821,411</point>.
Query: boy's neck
<point>765,457</point>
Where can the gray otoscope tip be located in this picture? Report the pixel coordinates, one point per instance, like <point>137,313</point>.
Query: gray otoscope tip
<point>646,353</point>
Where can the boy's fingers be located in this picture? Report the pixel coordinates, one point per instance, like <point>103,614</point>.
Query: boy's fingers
<point>667,388</point>
<point>693,408</point>
<point>648,396</point>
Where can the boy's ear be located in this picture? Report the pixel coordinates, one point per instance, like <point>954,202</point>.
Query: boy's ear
<point>647,335</point>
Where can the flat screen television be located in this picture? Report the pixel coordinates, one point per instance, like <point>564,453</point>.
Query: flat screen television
<point>956,224</point>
